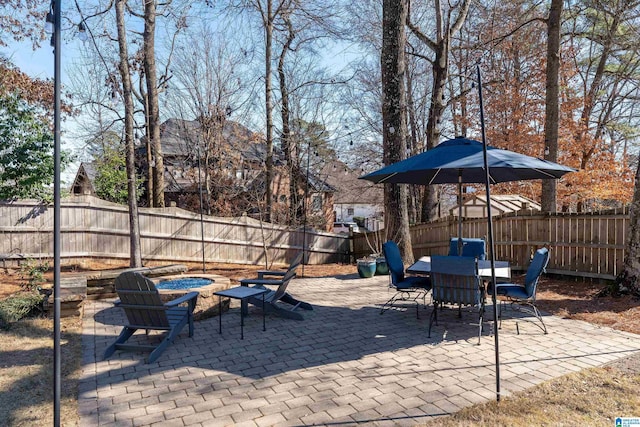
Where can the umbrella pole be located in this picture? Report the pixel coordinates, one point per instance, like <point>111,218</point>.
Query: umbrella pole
<point>494,297</point>
<point>460,244</point>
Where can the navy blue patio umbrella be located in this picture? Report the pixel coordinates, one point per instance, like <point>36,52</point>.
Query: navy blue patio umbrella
<point>462,160</point>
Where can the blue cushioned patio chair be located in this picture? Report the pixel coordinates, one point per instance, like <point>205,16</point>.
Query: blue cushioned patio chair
<point>455,281</point>
<point>470,247</point>
<point>525,295</point>
<point>145,310</point>
<point>273,298</point>
<point>407,288</point>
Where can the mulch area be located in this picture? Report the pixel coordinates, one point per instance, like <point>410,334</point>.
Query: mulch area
<point>577,299</point>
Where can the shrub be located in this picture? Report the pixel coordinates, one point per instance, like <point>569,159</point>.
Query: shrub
<point>33,271</point>
<point>18,306</point>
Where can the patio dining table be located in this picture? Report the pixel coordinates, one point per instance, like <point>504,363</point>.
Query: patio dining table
<point>503,270</point>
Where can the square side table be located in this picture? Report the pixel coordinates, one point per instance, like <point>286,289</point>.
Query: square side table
<point>243,293</point>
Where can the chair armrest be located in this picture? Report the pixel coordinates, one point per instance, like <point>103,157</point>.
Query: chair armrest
<point>262,273</point>
<point>184,298</point>
<point>247,282</point>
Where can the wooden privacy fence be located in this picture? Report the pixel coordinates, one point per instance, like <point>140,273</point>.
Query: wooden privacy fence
<point>589,245</point>
<point>94,228</point>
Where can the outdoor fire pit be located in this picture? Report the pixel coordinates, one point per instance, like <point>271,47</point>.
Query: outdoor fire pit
<point>171,287</point>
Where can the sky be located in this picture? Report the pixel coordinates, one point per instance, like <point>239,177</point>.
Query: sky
<point>38,63</point>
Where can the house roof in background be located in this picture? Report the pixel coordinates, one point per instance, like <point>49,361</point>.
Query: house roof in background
<point>86,173</point>
<point>90,170</point>
<point>317,183</point>
<point>179,138</point>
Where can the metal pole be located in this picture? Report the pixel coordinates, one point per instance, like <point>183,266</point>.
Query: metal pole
<point>494,297</point>
<point>460,244</point>
<point>204,265</point>
<point>56,212</point>
<point>304,207</point>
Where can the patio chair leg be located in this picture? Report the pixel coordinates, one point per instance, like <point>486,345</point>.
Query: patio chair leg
<point>480,326</point>
<point>539,317</point>
<point>433,317</point>
<point>125,334</point>
<point>529,308</point>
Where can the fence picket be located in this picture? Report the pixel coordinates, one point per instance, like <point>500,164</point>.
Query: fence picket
<point>91,227</point>
<point>585,245</point>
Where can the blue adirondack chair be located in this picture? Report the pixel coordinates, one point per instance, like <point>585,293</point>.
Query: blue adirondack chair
<point>274,298</point>
<point>145,310</point>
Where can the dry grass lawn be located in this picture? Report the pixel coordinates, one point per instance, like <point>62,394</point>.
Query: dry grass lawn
<point>26,372</point>
<point>592,397</point>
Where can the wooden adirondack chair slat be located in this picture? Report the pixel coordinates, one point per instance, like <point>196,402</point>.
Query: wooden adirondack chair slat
<point>144,309</point>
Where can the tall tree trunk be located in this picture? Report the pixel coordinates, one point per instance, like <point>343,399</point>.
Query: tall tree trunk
<point>414,190</point>
<point>153,111</point>
<point>268,94</point>
<point>394,122</point>
<point>436,110</point>
<point>134,226</point>
<point>549,195</point>
<point>629,278</point>
<point>150,201</point>
<point>444,31</point>
<point>288,148</point>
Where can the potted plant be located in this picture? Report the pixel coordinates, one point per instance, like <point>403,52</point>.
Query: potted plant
<point>374,240</point>
<point>366,266</point>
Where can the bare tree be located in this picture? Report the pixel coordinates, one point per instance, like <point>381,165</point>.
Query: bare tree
<point>125,76</point>
<point>446,26</point>
<point>207,77</point>
<point>269,11</point>
<point>394,119</point>
<point>153,109</point>
<point>552,116</point>
<point>300,31</point>
<point>289,147</point>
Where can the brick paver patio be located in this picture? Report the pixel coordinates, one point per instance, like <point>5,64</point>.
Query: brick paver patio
<point>345,364</point>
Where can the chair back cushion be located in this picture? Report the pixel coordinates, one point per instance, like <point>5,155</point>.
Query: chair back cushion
<point>471,247</point>
<point>141,301</point>
<point>455,280</point>
<point>535,270</point>
<point>394,261</point>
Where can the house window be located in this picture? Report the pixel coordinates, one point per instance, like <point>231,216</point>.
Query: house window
<point>349,211</point>
<point>316,203</point>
